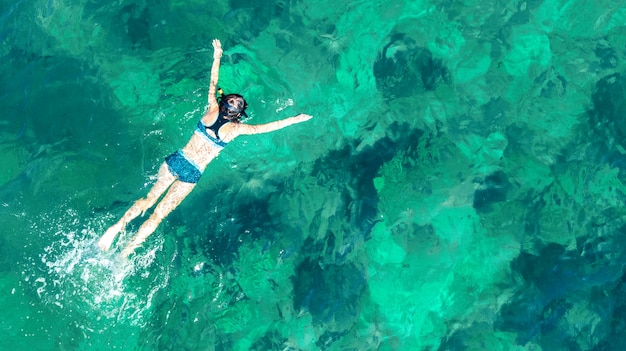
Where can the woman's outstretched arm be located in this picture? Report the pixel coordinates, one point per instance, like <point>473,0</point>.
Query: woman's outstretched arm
<point>215,72</point>
<point>247,129</point>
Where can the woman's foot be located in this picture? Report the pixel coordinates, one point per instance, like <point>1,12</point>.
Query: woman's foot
<point>106,240</point>
<point>130,248</point>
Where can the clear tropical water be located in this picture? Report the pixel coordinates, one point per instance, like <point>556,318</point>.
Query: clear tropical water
<point>461,186</point>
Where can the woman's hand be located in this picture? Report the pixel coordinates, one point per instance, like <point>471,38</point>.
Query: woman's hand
<point>302,118</point>
<point>217,49</point>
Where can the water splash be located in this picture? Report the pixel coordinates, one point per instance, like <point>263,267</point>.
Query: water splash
<point>80,278</point>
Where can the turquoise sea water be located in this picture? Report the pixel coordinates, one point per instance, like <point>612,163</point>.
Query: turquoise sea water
<point>461,186</point>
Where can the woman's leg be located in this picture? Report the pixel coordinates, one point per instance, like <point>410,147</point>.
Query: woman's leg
<point>175,195</point>
<point>164,179</point>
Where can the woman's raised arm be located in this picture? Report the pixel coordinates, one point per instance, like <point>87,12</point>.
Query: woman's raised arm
<point>215,72</point>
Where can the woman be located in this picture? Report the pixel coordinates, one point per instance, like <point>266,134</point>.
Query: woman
<point>181,170</point>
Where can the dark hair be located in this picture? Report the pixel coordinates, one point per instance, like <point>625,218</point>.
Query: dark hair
<point>232,106</point>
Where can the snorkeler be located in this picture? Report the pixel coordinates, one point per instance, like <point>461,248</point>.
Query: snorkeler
<point>181,170</point>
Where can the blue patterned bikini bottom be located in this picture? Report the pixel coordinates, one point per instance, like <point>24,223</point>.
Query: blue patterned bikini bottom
<point>182,167</point>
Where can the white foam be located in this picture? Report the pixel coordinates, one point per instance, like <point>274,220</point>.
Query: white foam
<point>78,276</point>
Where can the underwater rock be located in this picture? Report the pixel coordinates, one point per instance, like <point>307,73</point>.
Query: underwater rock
<point>227,232</point>
<point>609,107</point>
<point>570,290</point>
<point>607,55</point>
<point>493,189</point>
<point>538,307</point>
<point>406,69</point>
<point>606,127</point>
<point>357,209</point>
<point>329,293</point>
<point>272,340</point>
<point>137,25</point>
<point>248,18</point>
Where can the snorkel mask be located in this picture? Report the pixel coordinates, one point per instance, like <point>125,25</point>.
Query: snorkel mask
<point>232,106</point>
